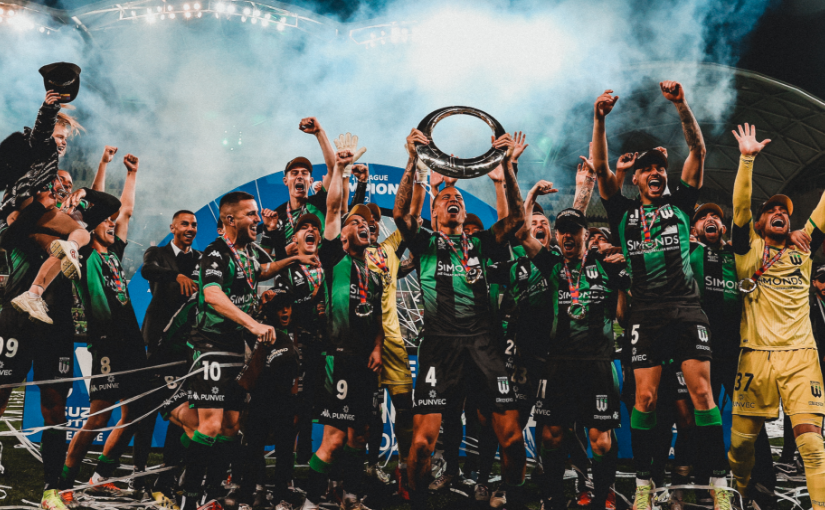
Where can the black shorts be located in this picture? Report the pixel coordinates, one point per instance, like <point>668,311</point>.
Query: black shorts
<point>579,391</point>
<point>352,396</point>
<point>668,332</point>
<point>174,391</point>
<point>672,385</point>
<point>23,343</point>
<point>525,374</point>
<point>447,363</point>
<point>216,386</point>
<point>110,357</point>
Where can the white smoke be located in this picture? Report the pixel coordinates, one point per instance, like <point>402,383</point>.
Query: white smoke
<point>209,104</point>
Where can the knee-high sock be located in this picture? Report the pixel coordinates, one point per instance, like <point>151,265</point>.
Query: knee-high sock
<point>197,455</point>
<point>553,460</point>
<point>683,457</point>
<point>451,439</point>
<point>487,446</point>
<point>576,447</point>
<point>812,451</point>
<point>219,462</point>
<point>788,443</point>
<point>173,451</point>
<point>143,442</point>
<point>353,464</point>
<point>376,435</point>
<point>285,460</point>
<point>403,425</point>
<point>318,479</point>
<point>604,473</point>
<point>53,450</point>
<point>711,466</point>
<point>741,454</point>
<point>642,437</point>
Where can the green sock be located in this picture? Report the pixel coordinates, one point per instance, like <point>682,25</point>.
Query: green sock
<point>708,418</point>
<point>319,465</point>
<point>185,440</point>
<point>203,439</point>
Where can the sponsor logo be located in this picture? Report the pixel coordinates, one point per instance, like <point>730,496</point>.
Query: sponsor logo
<point>812,403</point>
<point>503,385</point>
<point>1,364</point>
<point>214,265</point>
<point>504,400</point>
<point>703,333</point>
<point>703,347</point>
<point>215,390</point>
<point>718,284</point>
<point>816,389</point>
<point>432,393</point>
<point>744,405</point>
<point>275,354</point>
<point>640,357</point>
<point>214,253</point>
<point>432,402</point>
<point>6,372</point>
<point>796,259</point>
<point>539,404</point>
<point>712,256</point>
<point>63,366</point>
<point>214,272</point>
<point>600,417</point>
<point>298,277</point>
<point>346,409</point>
<point>111,378</point>
<point>616,415</point>
<point>601,403</point>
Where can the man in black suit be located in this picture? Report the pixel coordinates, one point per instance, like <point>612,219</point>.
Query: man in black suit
<point>172,273</point>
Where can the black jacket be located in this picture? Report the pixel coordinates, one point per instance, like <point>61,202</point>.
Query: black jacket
<point>28,160</point>
<point>160,268</point>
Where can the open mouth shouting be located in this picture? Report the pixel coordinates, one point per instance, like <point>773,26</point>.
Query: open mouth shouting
<point>364,234</point>
<point>300,186</point>
<point>656,184</point>
<point>711,228</point>
<point>310,240</point>
<point>452,209</point>
<point>540,234</point>
<point>569,245</point>
<point>373,229</point>
<point>778,222</point>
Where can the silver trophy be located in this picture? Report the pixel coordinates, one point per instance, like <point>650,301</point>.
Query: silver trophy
<point>460,168</point>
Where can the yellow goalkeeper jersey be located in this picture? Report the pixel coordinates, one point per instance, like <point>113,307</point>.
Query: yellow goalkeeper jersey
<point>380,259</point>
<point>776,316</point>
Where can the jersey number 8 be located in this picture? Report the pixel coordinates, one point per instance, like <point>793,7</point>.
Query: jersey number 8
<point>9,346</point>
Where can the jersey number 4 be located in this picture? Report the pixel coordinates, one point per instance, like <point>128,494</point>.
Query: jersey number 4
<point>431,377</point>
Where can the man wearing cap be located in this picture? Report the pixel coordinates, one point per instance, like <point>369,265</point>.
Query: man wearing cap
<point>227,293</point>
<point>306,284</point>
<point>779,358</point>
<point>279,224</point>
<point>462,339</point>
<point>578,383</point>
<point>667,321</point>
<point>355,338</point>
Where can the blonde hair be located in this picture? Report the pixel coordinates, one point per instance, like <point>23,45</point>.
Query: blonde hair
<point>69,122</point>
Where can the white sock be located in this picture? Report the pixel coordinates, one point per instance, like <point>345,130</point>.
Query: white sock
<point>641,483</point>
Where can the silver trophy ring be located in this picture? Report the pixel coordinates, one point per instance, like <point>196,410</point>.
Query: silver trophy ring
<point>747,285</point>
<point>460,168</point>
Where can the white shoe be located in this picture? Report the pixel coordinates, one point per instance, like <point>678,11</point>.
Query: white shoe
<point>67,251</point>
<point>34,306</point>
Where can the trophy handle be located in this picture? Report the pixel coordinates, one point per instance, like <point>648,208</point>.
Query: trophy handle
<point>460,168</point>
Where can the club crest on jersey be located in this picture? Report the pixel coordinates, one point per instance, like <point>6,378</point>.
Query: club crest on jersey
<point>681,377</point>
<point>601,403</point>
<point>523,273</point>
<point>816,389</point>
<point>503,385</point>
<point>592,272</point>
<point>64,365</point>
<point>796,259</point>
<point>703,333</point>
<point>666,212</point>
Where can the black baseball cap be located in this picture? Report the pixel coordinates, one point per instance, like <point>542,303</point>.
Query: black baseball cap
<point>703,209</point>
<point>308,218</point>
<point>537,209</point>
<point>299,162</point>
<point>472,219</point>
<point>819,272</point>
<point>600,230</point>
<point>648,158</point>
<point>570,219</point>
<point>63,78</point>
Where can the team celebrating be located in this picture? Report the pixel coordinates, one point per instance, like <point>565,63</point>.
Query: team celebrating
<point>289,317</point>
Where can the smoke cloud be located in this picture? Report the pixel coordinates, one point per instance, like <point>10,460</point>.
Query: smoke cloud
<point>209,104</point>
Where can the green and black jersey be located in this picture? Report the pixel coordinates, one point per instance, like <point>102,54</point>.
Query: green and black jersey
<point>218,268</point>
<point>279,374</point>
<point>452,305</point>
<point>661,272</point>
<point>283,234</point>
<point>307,287</point>
<point>347,332</point>
<point>105,298</point>
<point>715,272</point>
<point>592,336</point>
<point>536,310</point>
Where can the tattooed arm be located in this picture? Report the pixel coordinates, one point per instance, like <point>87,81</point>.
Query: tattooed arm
<point>507,227</point>
<point>401,213</point>
<point>694,167</point>
<point>585,180</point>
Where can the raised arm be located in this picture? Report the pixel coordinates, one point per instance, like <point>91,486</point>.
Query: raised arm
<point>585,180</point>
<point>694,167</point>
<point>310,125</point>
<point>607,181</point>
<point>127,198</point>
<point>540,188</point>
<point>99,183</point>
<point>743,185</point>
<point>507,227</point>
<point>46,120</point>
<point>332,227</point>
<point>402,211</point>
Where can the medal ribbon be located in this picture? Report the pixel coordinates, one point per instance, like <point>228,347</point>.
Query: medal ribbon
<point>115,272</point>
<point>464,256</point>
<point>362,280</point>
<point>767,262</point>
<point>381,262</point>
<point>247,269</point>
<point>574,289</point>
<point>314,275</point>
<point>291,219</point>
<point>645,227</point>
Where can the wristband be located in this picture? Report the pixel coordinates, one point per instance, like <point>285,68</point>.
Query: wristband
<point>422,171</point>
<point>347,171</point>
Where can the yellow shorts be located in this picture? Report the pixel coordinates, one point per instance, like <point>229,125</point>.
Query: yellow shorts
<point>765,377</point>
<point>395,372</point>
